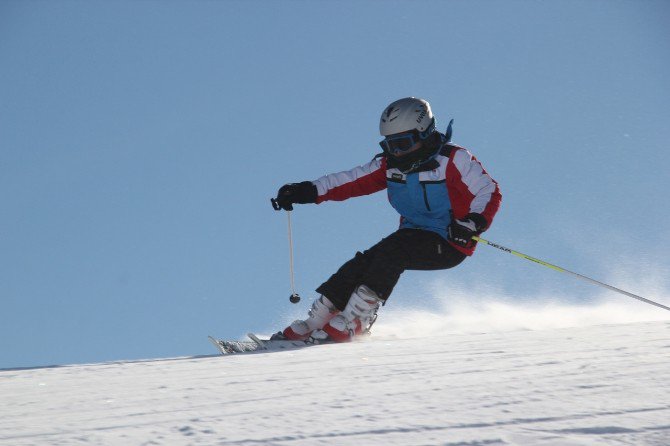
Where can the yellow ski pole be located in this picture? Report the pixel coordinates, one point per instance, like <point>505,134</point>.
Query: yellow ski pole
<point>563,270</point>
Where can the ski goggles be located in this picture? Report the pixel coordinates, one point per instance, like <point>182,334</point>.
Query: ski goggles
<point>399,143</point>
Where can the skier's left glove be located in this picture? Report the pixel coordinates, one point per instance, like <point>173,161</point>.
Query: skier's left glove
<point>461,231</point>
<point>300,193</point>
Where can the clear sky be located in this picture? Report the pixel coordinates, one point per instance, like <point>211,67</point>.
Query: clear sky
<point>140,142</point>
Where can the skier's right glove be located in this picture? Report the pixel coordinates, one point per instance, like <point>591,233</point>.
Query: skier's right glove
<point>461,231</point>
<point>300,193</point>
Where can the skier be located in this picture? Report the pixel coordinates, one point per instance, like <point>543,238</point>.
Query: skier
<point>443,195</point>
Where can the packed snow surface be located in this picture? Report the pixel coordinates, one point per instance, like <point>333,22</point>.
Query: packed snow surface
<point>587,385</point>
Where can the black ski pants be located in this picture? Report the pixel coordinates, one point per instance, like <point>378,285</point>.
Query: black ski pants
<point>380,267</point>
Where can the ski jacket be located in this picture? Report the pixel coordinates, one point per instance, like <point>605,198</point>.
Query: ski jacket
<point>449,186</point>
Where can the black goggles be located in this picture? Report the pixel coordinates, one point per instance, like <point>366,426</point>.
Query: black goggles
<point>399,143</point>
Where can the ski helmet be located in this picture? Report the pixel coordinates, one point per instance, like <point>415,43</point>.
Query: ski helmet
<point>405,115</point>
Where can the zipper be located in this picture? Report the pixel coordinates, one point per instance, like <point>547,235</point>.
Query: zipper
<point>425,196</point>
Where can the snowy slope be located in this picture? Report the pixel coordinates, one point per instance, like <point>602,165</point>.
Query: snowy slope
<point>591,385</point>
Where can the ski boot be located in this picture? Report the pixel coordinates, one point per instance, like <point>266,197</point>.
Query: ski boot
<point>357,317</point>
<point>320,314</point>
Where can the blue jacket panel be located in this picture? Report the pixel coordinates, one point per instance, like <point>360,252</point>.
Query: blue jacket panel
<point>422,202</point>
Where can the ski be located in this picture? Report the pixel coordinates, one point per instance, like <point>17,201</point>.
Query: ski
<point>230,347</point>
<point>256,344</point>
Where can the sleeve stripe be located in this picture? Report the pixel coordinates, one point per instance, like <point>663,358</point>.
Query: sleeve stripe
<point>361,180</point>
<point>484,189</point>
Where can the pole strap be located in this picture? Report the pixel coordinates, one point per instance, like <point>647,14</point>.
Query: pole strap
<point>563,270</point>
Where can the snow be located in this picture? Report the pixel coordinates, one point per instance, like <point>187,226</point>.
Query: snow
<point>581,385</point>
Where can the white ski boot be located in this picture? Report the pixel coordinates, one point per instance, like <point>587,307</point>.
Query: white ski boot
<point>320,314</point>
<point>357,317</point>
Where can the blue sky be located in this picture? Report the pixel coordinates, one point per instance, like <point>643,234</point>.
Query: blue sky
<point>140,143</point>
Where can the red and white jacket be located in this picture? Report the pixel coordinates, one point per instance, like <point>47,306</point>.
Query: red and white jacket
<point>450,186</point>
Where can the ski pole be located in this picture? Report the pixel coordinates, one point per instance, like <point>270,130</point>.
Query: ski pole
<point>294,298</point>
<point>563,270</point>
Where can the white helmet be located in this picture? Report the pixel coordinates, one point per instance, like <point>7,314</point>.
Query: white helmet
<point>405,115</point>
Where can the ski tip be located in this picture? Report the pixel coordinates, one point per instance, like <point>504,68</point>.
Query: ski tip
<point>216,344</point>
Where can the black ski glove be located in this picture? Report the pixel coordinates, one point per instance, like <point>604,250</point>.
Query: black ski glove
<point>461,231</point>
<point>300,193</point>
